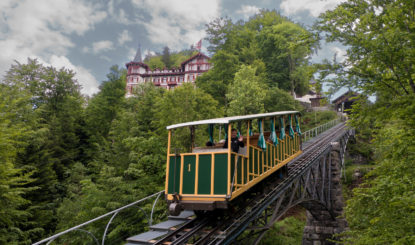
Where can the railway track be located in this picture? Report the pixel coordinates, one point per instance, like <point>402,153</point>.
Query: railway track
<point>223,226</point>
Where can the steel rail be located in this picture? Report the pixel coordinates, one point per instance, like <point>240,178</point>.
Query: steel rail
<point>171,236</point>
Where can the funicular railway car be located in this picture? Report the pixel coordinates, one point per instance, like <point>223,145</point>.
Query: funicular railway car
<point>211,176</point>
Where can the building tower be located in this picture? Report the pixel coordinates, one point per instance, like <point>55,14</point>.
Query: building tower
<point>135,71</point>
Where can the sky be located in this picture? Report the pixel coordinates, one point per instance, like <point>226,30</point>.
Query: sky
<point>89,36</point>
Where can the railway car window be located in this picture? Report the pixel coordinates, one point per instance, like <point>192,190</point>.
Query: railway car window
<point>180,142</point>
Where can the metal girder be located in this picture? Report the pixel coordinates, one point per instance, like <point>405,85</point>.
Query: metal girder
<point>310,186</point>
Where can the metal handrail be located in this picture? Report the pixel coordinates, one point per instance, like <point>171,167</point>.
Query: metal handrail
<point>114,213</point>
<point>309,134</point>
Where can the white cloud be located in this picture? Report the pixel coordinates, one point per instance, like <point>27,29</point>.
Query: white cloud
<point>146,52</point>
<point>41,29</point>
<point>84,76</point>
<point>247,10</point>
<point>340,53</point>
<point>314,7</point>
<point>124,37</point>
<point>102,46</point>
<point>117,13</point>
<point>99,47</point>
<point>177,23</point>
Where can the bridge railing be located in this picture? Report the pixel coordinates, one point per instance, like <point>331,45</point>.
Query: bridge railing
<point>113,213</point>
<point>309,134</point>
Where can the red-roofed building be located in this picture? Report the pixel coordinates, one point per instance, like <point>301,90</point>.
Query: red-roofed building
<point>139,72</point>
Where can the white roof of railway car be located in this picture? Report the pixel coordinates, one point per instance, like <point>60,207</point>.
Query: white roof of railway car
<point>226,120</point>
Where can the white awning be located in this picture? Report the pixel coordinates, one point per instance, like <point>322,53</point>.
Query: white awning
<point>227,120</point>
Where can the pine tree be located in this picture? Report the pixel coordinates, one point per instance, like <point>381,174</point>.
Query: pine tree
<point>13,180</point>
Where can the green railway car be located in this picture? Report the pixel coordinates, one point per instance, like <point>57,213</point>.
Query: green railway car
<point>208,176</point>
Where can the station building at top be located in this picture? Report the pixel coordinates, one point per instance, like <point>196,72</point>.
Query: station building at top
<point>139,72</point>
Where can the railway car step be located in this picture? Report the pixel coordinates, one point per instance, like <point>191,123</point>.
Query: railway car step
<point>146,237</point>
<point>160,230</point>
<point>167,225</point>
<point>184,215</point>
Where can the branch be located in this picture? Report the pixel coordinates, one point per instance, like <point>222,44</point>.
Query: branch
<point>389,64</point>
<point>411,81</point>
<point>381,81</point>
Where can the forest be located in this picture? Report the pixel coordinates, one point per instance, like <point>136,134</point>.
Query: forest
<point>66,158</point>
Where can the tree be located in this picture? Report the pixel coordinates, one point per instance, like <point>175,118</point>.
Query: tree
<point>379,37</point>
<point>276,47</point>
<point>279,100</point>
<point>166,58</point>
<point>246,94</point>
<point>14,104</point>
<point>382,211</point>
<point>216,80</point>
<point>127,164</point>
<point>104,107</point>
<point>184,104</point>
<point>285,48</point>
<point>54,144</point>
<point>217,33</point>
<point>381,40</point>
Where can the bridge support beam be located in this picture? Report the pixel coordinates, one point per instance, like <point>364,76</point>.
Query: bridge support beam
<point>320,227</point>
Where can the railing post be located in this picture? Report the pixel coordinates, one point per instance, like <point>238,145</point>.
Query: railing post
<point>319,129</point>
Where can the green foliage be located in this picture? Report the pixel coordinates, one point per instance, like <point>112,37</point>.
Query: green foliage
<point>168,59</point>
<point>103,108</point>
<point>128,164</point>
<point>276,47</point>
<point>284,48</point>
<point>54,144</point>
<point>184,104</point>
<point>279,100</point>
<point>316,118</point>
<point>285,232</point>
<point>246,93</point>
<point>380,37</point>
<point>383,212</point>
<point>155,62</point>
<point>216,80</point>
<point>13,180</point>
<point>379,60</point>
